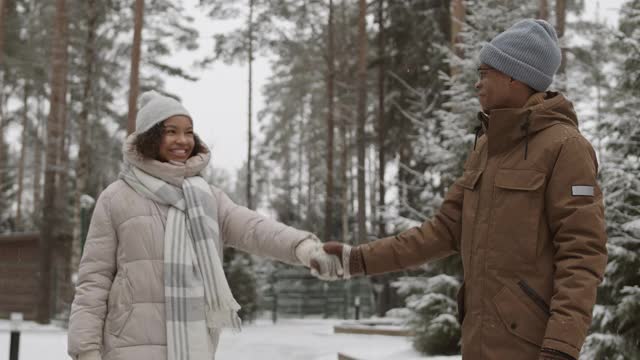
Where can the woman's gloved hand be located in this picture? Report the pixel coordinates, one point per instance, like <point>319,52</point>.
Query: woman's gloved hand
<point>90,355</point>
<point>323,265</point>
<point>350,257</point>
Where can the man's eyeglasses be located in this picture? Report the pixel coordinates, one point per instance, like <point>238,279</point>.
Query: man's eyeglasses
<point>483,71</point>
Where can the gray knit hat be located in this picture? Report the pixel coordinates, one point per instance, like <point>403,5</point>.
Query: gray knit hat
<point>527,51</point>
<point>155,108</point>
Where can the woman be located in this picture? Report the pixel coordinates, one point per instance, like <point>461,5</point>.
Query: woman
<point>151,283</point>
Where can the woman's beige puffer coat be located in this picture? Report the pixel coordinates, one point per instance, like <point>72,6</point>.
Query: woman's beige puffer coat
<point>118,310</point>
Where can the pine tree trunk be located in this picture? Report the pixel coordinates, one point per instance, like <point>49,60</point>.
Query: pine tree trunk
<point>543,9</point>
<point>361,117</point>
<point>288,168</point>
<point>300,157</point>
<point>134,80</point>
<point>383,297</point>
<point>381,124</point>
<point>403,178</point>
<point>63,251</point>
<point>344,179</point>
<point>250,109</point>
<point>561,13</point>
<point>344,168</point>
<point>3,6</point>
<point>50,230</point>
<point>62,245</point>
<point>344,146</point>
<point>372,182</point>
<point>3,11</point>
<point>309,147</point>
<point>23,155</point>
<point>82,168</point>
<point>328,212</point>
<point>37,159</point>
<point>457,20</point>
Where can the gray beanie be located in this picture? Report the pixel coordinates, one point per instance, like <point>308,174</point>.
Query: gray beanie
<point>155,108</point>
<point>528,51</point>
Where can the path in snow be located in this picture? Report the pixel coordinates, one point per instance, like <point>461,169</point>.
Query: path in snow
<point>290,339</point>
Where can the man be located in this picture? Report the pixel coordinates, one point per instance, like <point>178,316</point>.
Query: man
<point>526,216</point>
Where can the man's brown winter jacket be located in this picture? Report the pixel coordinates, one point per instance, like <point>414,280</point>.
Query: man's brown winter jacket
<point>528,220</point>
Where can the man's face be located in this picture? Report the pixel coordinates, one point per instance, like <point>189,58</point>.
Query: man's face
<point>493,88</point>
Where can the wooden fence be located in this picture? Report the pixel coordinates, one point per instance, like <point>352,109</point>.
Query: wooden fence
<point>19,266</point>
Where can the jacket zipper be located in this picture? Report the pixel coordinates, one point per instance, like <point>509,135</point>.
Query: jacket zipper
<point>533,295</point>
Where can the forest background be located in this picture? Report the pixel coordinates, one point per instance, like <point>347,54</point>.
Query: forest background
<point>347,118</point>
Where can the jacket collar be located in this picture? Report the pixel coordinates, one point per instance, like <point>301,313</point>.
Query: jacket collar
<point>172,172</point>
<point>505,128</point>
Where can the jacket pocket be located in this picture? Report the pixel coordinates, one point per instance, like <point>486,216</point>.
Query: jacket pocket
<point>534,297</point>
<point>119,306</point>
<point>469,179</point>
<point>518,203</point>
<point>469,182</point>
<point>518,319</point>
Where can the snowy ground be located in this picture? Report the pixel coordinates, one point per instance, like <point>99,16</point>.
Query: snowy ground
<point>308,339</point>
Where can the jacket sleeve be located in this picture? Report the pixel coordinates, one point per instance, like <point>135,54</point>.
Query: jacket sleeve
<point>96,272</point>
<point>436,238</point>
<point>246,230</point>
<point>575,213</point>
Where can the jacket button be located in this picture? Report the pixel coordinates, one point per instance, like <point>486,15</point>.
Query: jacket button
<point>514,326</point>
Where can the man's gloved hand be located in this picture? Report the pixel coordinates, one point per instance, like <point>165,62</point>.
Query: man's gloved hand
<point>553,354</point>
<point>350,258</point>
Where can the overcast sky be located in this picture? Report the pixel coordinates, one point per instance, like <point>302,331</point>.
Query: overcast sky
<point>218,100</point>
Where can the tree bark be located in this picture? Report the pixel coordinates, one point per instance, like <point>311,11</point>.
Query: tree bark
<point>561,13</point>
<point>371,179</point>
<point>328,212</point>
<point>3,10</point>
<point>250,109</point>
<point>300,157</point>
<point>457,20</point>
<point>543,9</point>
<point>342,116</point>
<point>37,159</point>
<point>62,245</point>
<point>82,168</point>
<point>3,6</point>
<point>383,302</point>
<point>361,116</point>
<point>23,155</point>
<point>381,123</point>
<point>344,166</point>
<point>309,148</point>
<point>50,231</point>
<point>134,80</point>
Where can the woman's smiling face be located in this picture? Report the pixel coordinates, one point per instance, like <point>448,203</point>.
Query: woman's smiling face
<point>178,139</point>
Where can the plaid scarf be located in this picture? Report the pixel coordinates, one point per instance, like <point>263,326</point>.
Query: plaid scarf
<point>198,300</point>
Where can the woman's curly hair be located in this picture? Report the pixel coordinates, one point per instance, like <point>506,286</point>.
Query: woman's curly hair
<point>148,143</point>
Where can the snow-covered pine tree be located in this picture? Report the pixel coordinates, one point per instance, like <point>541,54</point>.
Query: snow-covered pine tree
<point>431,301</point>
<point>615,332</point>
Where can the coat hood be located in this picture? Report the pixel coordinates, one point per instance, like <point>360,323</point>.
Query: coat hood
<point>507,127</point>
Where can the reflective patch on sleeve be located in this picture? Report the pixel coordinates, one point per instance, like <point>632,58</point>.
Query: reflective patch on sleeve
<point>581,190</point>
